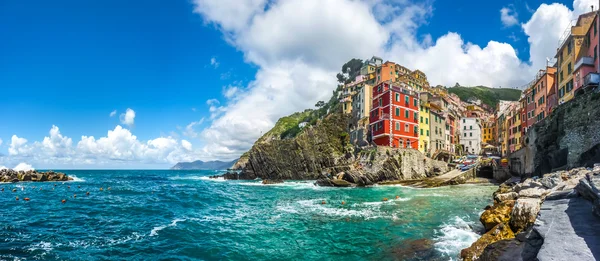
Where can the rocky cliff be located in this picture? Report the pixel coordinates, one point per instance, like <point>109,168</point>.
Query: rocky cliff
<point>568,138</point>
<point>324,152</point>
<point>9,175</point>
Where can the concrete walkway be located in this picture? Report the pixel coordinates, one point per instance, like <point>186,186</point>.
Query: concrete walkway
<point>570,230</point>
<point>448,176</point>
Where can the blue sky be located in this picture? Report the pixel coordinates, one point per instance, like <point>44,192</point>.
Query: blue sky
<point>72,63</point>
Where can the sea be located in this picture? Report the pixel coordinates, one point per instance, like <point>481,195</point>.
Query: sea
<point>185,215</point>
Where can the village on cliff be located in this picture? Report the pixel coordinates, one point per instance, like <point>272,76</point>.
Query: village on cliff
<point>394,106</point>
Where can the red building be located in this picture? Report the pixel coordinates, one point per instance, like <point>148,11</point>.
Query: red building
<point>394,116</point>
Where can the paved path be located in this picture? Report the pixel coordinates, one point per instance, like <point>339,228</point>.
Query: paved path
<point>570,230</point>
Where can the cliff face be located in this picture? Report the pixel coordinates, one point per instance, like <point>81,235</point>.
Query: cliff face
<point>316,150</point>
<point>568,138</point>
<point>323,152</point>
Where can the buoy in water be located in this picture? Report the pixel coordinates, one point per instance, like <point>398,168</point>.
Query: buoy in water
<point>14,190</point>
<point>385,199</point>
<point>323,202</point>
<point>108,188</point>
<point>397,197</point>
<point>26,199</point>
<point>343,202</point>
<point>64,201</point>
<point>17,198</point>
<point>68,187</point>
<point>87,193</point>
<point>78,186</point>
<point>75,196</point>
<point>2,189</point>
<point>101,189</point>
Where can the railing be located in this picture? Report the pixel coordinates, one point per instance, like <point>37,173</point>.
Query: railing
<point>591,79</point>
<point>585,60</point>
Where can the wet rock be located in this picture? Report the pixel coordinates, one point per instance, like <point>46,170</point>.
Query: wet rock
<point>497,214</point>
<point>420,249</point>
<point>271,181</point>
<point>533,193</point>
<point>524,213</point>
<point>497,233</point>
<point>341,183</point>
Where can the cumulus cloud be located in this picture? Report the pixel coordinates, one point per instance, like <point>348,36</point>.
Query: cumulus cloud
<point>190,130</point>
<point>128,117</point>
<point>113,113</point>
<point>186,145</point>
<point>23,166</point>
<point>119,147</point>
<point>509,16</point>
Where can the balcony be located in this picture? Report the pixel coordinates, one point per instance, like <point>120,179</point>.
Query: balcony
<point>592,79</point>
<point>585,60</point>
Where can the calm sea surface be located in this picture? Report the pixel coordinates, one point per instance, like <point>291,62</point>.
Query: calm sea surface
<point>183,215</point>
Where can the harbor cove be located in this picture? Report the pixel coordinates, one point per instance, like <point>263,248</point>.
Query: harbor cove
<point>182,215</point>
<point>409,130</point>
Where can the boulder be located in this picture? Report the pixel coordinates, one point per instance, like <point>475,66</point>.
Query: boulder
<point>497,233</point>
<point>588,188</point>
<point>27,177</point>
<point>551,180</point>
<point>41,177</point>
<point>506,196</point>
<point>525,246</point>
<point>497,214</point>
<point>341,183</point>
<point>524,213</point>
<point>324,182</point>
<point>528,184</point>
<point>535,192</point>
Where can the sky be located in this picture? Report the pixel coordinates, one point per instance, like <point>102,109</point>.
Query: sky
<point>146,84</point>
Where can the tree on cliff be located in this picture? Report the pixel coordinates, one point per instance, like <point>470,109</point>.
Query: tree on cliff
<point>350,70</point>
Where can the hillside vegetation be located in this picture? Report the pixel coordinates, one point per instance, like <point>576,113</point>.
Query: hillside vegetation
<point>487,95</point>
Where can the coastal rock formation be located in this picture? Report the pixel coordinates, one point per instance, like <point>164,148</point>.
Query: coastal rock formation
<point>552,218</point>
<point>323,153</point>
<point>9,175</point>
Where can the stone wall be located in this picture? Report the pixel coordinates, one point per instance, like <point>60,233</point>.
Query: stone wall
<point>568,138</point>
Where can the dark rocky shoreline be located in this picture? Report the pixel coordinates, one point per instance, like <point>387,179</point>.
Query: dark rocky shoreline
<point>9,175</point>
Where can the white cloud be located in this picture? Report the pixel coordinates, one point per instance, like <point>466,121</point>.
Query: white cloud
<point>186,145</point>
<point>0,142</point>
<point>3,167</point>
<point>23,166</point>
<point>128,117</point>
<point>509,16</point>
<point>119,148</point>
<point>214,63</point>
<point>230,91</point>
<point>113,113</point>
<point>17,146</point>
<point>190,130</point>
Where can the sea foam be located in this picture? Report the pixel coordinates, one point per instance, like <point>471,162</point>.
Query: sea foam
<point>455,236</point>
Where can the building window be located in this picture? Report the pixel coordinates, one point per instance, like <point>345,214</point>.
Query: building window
<point>421,119</point>
<point>397,97</point>
<point>464,120</point>
<point>405,127</point>
<point>406,99</point>
<point>408,143</point>
<point>471,127</point>
<point>397,126</point>
<point>427,133</point>
<point>570,47</point>
<point>379,88</point>
<point>421,131</point>
<point>465,134</point>
<point>397,111</point>
<point>426,120</point>
<point>415,102</point>
<point>471,134</point>
<point>406,114</point>
<point>401,143</point>
<point>465,128</point>
<point>569,71</point>
<point>416,130</point>
<point>595,52</point>
<point>416,115</point>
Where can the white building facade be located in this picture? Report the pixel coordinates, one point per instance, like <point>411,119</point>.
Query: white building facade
<point>470,139</point>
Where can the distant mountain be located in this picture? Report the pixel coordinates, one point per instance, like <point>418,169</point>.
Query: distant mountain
<point>204,165</point>
<point>487,95</point>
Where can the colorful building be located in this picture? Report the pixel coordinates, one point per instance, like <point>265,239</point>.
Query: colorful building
<point>568,51</point>
<point>424,130</point>
<point>437,129</point>
<point>488,131</point>
<point>394,119</point>
<point>586,67</point>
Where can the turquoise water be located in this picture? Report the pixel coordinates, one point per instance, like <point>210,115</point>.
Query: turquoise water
<point>183,215</point>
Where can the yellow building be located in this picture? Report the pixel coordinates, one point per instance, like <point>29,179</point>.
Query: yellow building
<point>424,125</point>
<point>488,131</point>
<point>517,129</point>
<point>570,45</point>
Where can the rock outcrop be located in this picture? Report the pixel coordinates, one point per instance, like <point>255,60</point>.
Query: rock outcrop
<point>323,153</point>
<point>9,175</point>
<point>542,219</point>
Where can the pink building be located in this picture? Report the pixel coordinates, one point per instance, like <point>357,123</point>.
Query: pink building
<point>587,63</point>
